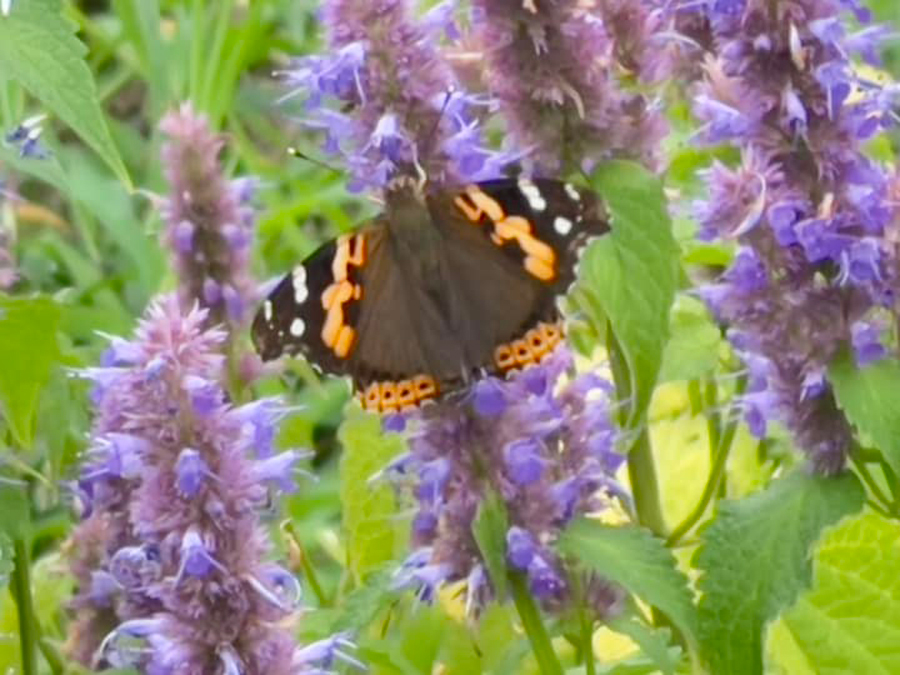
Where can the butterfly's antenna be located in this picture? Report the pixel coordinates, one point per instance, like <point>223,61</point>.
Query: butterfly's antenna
<point>294,152</point>
<point>437,122</point>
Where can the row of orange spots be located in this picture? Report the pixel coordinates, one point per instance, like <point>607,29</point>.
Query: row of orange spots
<point>398,396</point>
<point>540,259</point>
<point>336,334</point>
<point>536,344</point>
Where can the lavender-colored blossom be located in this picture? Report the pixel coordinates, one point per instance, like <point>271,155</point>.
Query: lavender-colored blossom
<point>209,220</point>
<point>809,208</point>
<point>27,138</point>
<point>171,556</point>
<point>542,442</point>
<point>551,67</point>
<point>387,101</point>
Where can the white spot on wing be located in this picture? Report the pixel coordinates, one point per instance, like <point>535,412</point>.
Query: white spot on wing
<point>267,310</point>
<point>298,279</point>
<point>572,192</point>
<point>532,195</point>
<point>562,226</point>
<point>297,327</point>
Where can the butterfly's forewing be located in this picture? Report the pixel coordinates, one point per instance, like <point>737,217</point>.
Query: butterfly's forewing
<point>353,307</point>
<point>291,318</point>
<point>524,217</point>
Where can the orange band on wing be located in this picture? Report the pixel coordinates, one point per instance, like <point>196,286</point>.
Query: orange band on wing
<point>389,396</point>
<point>336,334</point>
<point>531,348</point>
<point>540,259</point>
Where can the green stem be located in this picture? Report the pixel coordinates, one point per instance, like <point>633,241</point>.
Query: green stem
<point>644,486</point>
<point>587,642</point>
<point>641,467</point>
<point>891,478</point>
<point>21,588</point>
<point>722,450</point>
<point>716,473</point>
<point>870,481</point>
<point>534,626</point>
<point>308,570</point>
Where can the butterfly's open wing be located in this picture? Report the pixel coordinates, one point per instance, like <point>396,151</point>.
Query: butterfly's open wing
<point>513,246</point>
<point>354,308</point>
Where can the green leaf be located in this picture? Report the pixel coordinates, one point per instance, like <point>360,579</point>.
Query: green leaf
<point>755,559</point>
<point>654,643</point>
<point>632,273</point>
<point>362,605</point>
<point>489,529</point>
<point>28,350</point>
<point>374,532</point>
<point>849,622</point>
<point>15,513</point>
<point>39,49</point>
<point>693,350</point>
<point>636,560</point>
<point>868,397</point>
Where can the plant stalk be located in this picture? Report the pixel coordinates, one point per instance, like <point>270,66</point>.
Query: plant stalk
<point>21,590</point>
<point>534,626</point>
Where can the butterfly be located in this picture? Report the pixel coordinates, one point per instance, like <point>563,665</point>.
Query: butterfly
<point>439,289</point>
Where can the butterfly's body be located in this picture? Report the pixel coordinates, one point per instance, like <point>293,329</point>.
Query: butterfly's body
<point>438,289</point>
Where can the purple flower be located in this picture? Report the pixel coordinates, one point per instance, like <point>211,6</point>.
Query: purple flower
<point>542,442</point>
<point>171,558</point>
<point>811,211</point>
<point>550,65</point>
<point>209,220</point>
<point>402,108</point>
<point>27,137</point>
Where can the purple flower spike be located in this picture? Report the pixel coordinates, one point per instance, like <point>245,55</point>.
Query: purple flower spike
<point>541,441</point>
<point>172,551</point>
<point>407,110</point>
<point>811,210</point>
<point>551,67</point>
<point>210,224</point>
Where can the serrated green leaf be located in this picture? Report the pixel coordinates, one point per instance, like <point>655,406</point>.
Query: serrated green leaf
<point>755,559</point>
<point>693,349</point>
<point>489,529</point>
<point>868,397</point>
<point>633,272</point>
<point>636,560</point>
<point>374,532</point>
<point>39,49</point>
<point>849,622</point>
<point>28,350</point>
